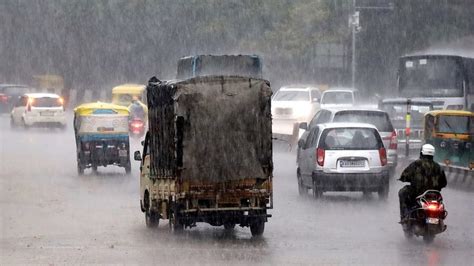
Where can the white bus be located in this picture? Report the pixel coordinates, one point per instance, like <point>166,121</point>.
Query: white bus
<point>446,79</point>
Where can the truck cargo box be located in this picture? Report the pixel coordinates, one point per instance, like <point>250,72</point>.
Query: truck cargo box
<point>212,129</point>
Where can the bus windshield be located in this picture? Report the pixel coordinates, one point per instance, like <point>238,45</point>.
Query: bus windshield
<point>431,77</point>
<point>455,124</point>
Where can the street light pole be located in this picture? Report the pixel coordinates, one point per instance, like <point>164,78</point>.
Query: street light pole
<point>354,27</point>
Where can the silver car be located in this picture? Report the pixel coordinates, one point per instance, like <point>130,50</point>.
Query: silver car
<point>343,157</point>
<point>380,119</point>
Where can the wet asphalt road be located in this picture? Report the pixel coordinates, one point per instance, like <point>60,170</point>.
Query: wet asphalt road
<point>49,215</point>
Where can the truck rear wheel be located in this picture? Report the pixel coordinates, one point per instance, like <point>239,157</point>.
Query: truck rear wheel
<point>152,219</point>
<point>257,227</point>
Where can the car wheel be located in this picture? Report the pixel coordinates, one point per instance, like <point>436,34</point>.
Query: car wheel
<point>302,190</point>
<point>257,227</point>
<point>383,192</point>
<point>317,192</point>
<point>12,123</point>
<point>25,126</point>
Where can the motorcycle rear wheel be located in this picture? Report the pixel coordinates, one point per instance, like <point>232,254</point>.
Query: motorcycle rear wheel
<point>428,238</point>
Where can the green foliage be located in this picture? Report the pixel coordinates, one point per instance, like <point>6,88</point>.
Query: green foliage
<point>100,43</point>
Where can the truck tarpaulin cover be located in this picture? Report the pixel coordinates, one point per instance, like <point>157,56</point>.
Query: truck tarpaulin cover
<point>214,128</point>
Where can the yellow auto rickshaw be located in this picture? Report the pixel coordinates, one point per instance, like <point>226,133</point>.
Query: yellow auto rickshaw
<point>101,131</point>
<point>124,94</point>
<point>451,132</point>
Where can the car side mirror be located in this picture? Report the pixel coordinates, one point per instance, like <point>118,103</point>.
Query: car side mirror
<point>142,142</point>
<point>137,156</point>
<point>303,125</point>
<point>301,143</point>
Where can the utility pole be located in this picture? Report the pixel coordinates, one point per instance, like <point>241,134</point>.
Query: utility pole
<point>355,28</point>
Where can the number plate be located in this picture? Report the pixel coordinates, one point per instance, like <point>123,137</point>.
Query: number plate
<point>122,153</point>
<point>432,220</point>
<point>46,113</point>
<point>351,163</point>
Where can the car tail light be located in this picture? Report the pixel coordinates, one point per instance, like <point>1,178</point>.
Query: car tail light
<point>393,141</point>
<point>320,156</point>
<point>383,156</point>
<point>3,98</point>
<point>29,104</point>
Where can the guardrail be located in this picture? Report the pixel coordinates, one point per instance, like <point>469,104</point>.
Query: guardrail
<point>459,177</point>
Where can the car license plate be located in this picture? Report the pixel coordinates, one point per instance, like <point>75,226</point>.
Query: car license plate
<point>122,153</point>
<point>432,220</point>
<point>352,163</point>
<point>47,113</point>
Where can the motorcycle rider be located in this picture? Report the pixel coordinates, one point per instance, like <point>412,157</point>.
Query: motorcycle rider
<point>422,174</point>
<point>136,109</point>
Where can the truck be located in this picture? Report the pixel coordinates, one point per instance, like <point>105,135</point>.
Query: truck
<point>207,156</point>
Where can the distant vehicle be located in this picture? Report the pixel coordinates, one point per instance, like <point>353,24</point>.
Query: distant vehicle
<point>101,132</point>
<point>220,65</point>
<point>343,157</point>
<point>451,132</point>
<point>125,93</point>
<point>397,109</point>
<point>38,109</point>
<point>444,77</point>
<point>207,156</point>
<point>9,94</point>
<point>339,97</point>
<point>426,219</point>
<point>378,118</point>
<point>292,105</point>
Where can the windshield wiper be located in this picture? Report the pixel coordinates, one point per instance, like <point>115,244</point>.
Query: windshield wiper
<point>450,128</point>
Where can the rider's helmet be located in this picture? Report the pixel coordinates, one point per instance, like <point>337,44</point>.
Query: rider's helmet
<point>428,150</point>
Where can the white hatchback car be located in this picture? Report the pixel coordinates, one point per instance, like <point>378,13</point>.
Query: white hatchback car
<point>33,109</point>
<point>343,157</point>
<point>339,97</point>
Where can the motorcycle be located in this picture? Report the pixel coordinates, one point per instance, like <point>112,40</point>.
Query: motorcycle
<point>426,218</point>
<point>136,128</point>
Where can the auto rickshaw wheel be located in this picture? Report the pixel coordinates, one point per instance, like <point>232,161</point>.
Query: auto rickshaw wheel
<point>128,168</point>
